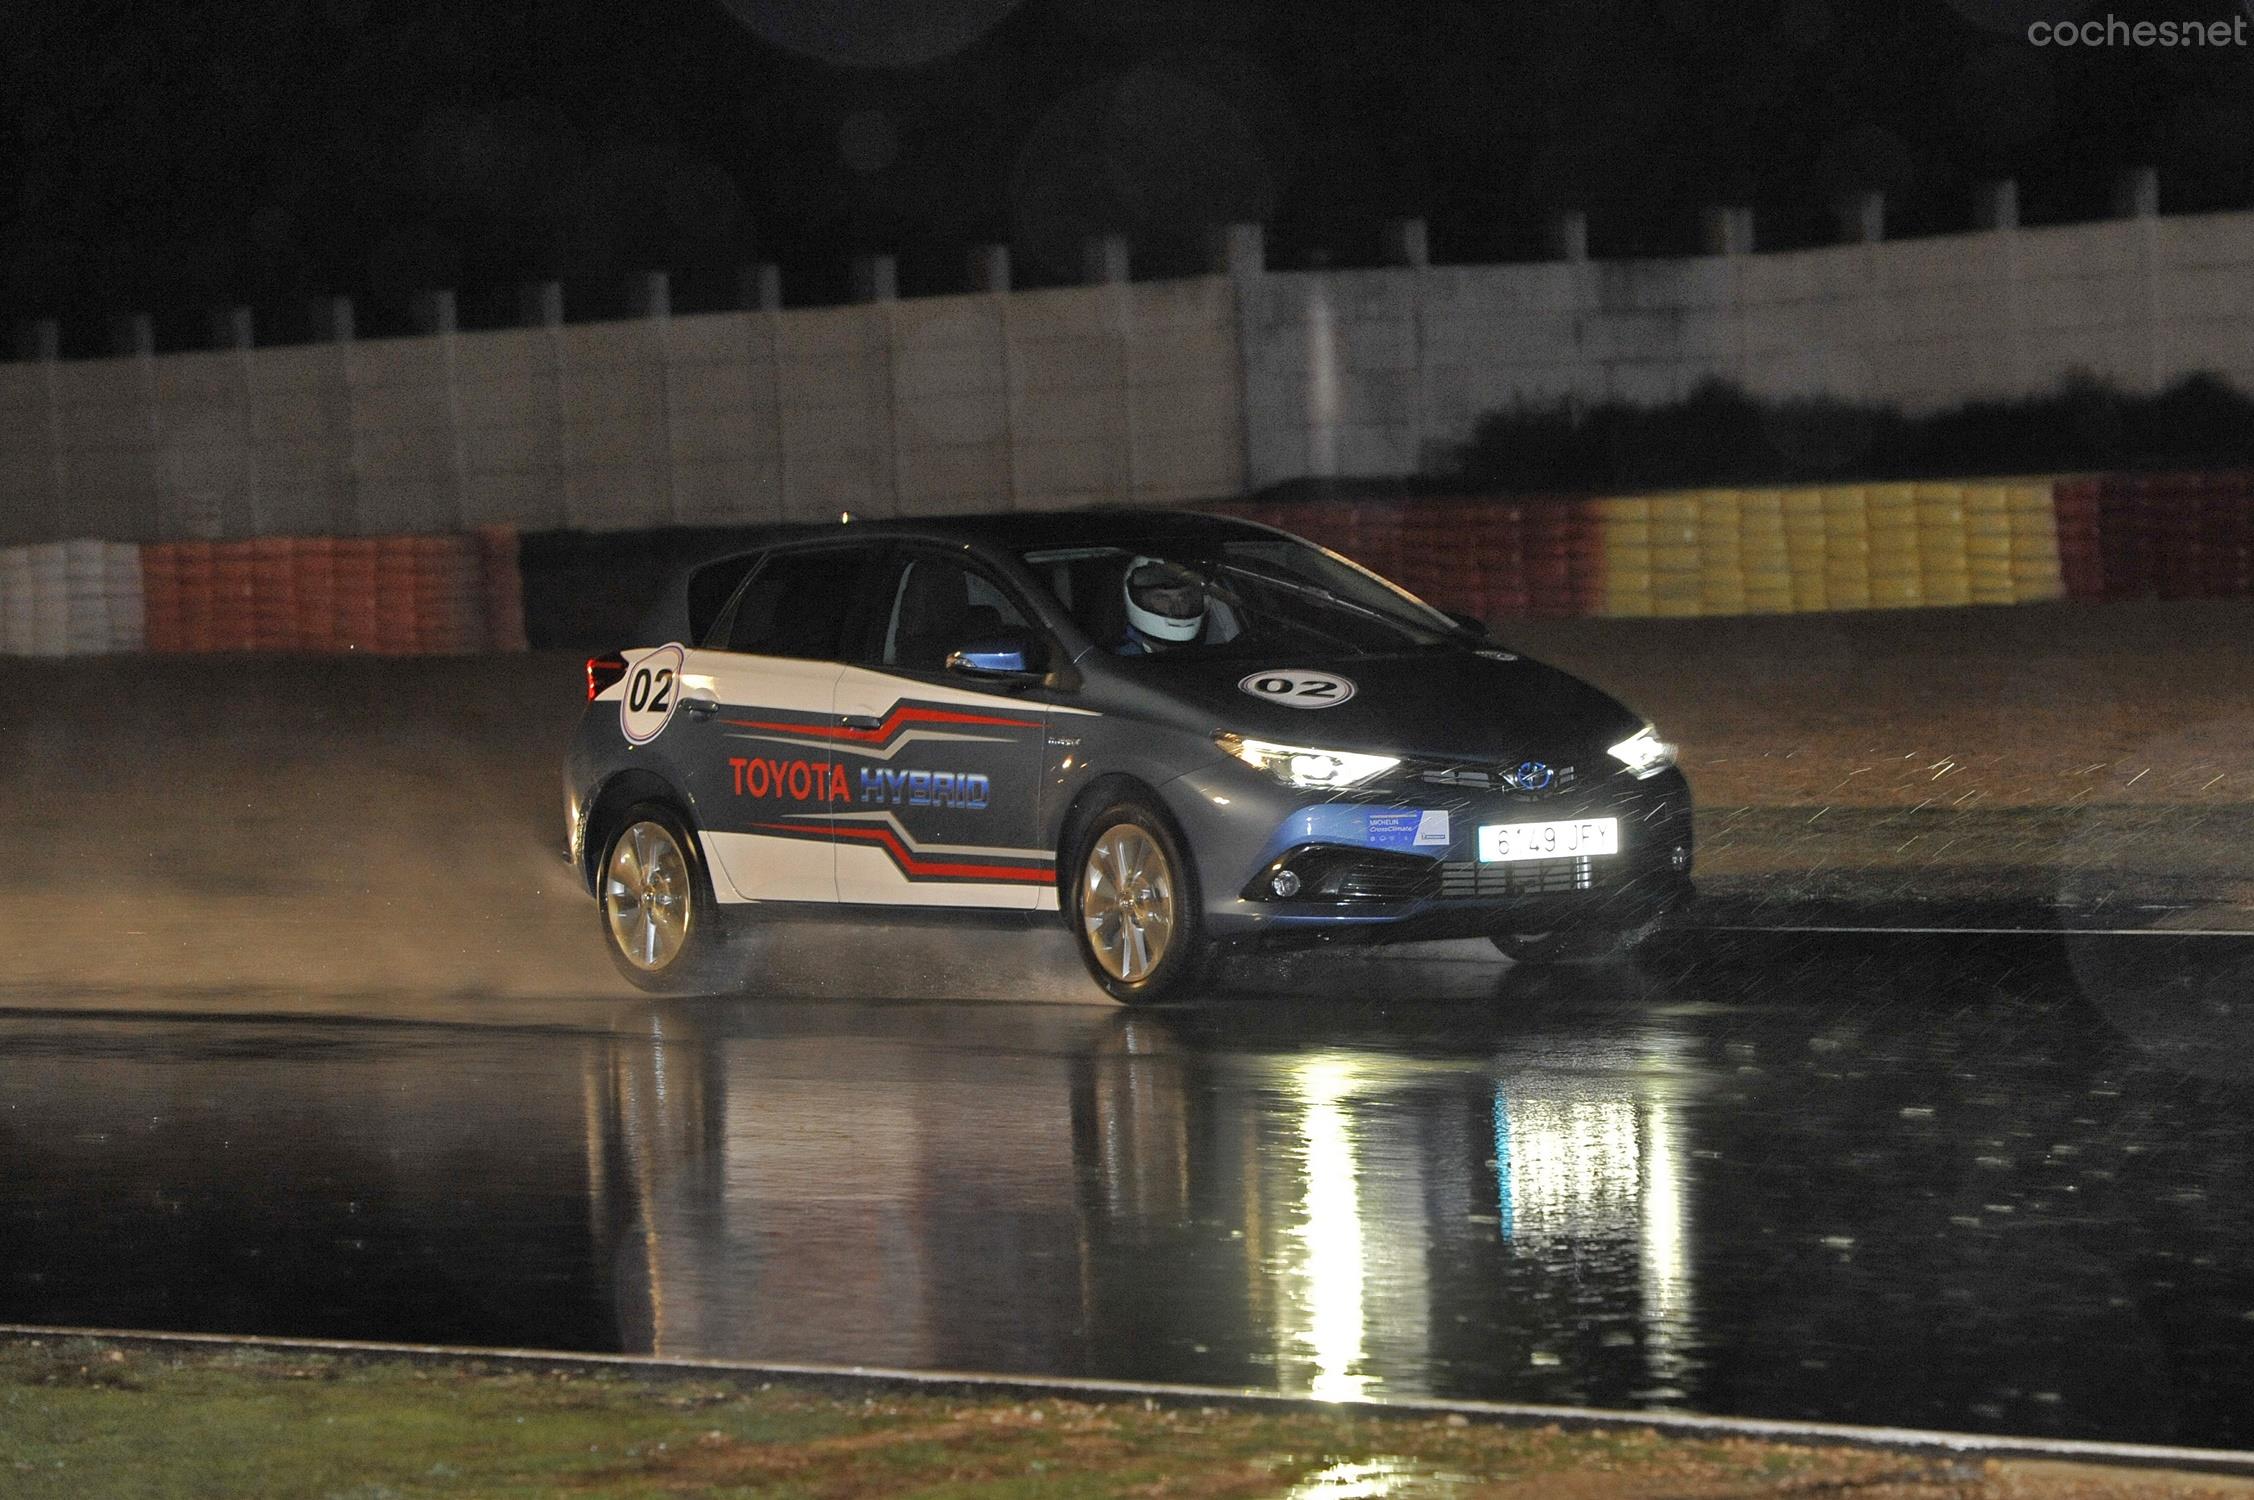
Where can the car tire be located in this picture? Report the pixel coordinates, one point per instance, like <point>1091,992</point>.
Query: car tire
<point>660,922</point>
<point>1130,898</point>
<point>1572,945</point>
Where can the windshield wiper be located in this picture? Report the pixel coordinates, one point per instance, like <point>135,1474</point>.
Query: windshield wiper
<point>1315,590</point>
<point>1450,628</point>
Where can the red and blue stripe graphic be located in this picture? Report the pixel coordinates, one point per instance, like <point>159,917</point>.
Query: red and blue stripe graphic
<point>903,717</point>
<point>952,863</point>
<point>881,829</point>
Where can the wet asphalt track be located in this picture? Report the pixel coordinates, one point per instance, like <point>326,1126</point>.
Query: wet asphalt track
<point>305,1031</point>
<point>1971,1182</point>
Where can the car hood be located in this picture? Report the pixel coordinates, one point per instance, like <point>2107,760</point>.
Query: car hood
<point>1484,705</point>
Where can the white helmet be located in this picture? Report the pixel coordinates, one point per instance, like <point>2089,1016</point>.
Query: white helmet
<point>1165,601</point>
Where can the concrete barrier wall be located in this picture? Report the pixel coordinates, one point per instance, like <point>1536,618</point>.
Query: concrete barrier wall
<point>996,402</point>
<point>1383,372</point>
<point>1156,392</point>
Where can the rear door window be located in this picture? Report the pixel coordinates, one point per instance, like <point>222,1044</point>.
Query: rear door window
<point>801,604</point>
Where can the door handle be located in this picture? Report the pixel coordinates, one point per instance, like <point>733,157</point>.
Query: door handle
<point>703,708</point>
<point>860,721</point>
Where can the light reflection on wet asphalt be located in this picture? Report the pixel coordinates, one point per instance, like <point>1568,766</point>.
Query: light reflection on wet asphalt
<point>1983,1184</point>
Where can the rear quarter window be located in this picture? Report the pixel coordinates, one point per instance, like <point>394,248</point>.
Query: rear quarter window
<point>709,589</point>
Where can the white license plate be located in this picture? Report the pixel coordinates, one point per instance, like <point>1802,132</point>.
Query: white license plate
<point>1576,839</point>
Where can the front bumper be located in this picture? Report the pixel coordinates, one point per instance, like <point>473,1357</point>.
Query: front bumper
<point>1366,876</point>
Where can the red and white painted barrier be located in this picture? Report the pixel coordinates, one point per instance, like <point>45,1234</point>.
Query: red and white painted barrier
<point>417,595</point>
<point>75,598</point>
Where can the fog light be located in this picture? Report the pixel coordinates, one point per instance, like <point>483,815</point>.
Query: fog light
<point>1285,884</point>
<point>1681,857</point>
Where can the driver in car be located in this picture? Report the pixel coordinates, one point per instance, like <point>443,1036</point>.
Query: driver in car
<point>1165,607</point>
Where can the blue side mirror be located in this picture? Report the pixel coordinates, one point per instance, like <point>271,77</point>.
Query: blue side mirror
<point>999,656</point>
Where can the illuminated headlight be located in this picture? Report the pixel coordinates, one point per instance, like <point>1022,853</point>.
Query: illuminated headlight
<point>1644,753</point>
<point>1295,765</point>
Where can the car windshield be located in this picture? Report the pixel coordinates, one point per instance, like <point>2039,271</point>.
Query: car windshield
<point>1249,596</point>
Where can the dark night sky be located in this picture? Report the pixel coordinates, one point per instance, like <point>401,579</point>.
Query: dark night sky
<point>176,155</point>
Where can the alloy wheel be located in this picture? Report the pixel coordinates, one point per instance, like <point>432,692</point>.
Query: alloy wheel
<point>1127,902</point>
<point>646,896</point>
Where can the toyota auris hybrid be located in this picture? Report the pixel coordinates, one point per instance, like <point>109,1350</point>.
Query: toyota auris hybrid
<point>1179,735</point>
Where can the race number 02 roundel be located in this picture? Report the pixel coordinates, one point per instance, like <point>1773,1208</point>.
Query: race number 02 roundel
<point>1299,689</point>
<point>653,688</point>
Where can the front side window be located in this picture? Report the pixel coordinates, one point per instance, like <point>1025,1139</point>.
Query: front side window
<point>1239,597</point>
<point>935,607</point>
<point>799,603</point>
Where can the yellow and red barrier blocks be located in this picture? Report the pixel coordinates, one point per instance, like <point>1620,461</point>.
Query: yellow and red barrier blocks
<point>1777,551</point>
<point>1896,545</point>
<point>1717,551</point>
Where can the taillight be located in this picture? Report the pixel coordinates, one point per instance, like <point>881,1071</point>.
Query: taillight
<point>602,671</point>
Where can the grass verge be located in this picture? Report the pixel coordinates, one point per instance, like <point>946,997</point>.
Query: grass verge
<point>83,1418</point>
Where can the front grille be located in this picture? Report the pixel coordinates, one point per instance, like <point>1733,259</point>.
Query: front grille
<point>1526,877</point>
<point>1333,873</point>
<point>1476,778</point>
<point>1389,880</point>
